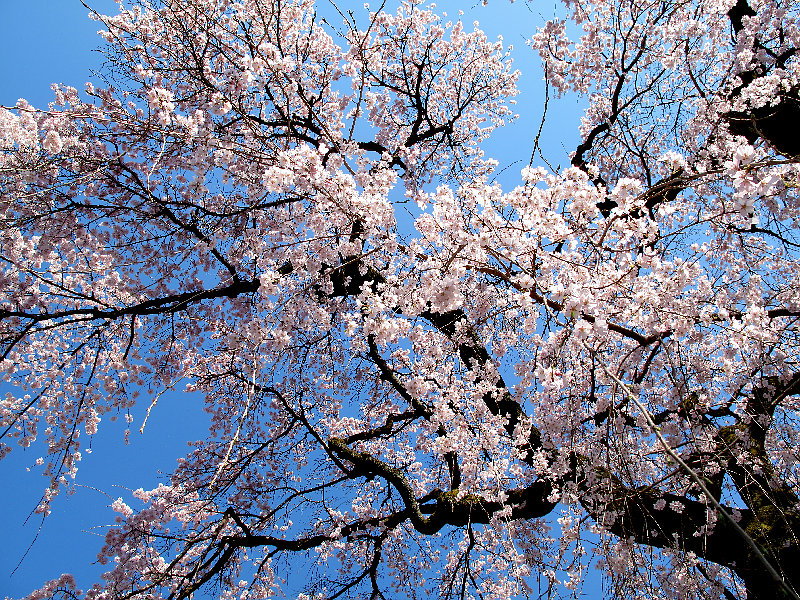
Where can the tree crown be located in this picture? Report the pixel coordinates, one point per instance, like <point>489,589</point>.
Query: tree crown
<point>409,405</point>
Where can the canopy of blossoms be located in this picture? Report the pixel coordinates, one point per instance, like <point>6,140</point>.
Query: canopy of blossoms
<point>598,367</point>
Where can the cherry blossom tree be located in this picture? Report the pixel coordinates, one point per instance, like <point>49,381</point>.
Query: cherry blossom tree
<point>597,368</point>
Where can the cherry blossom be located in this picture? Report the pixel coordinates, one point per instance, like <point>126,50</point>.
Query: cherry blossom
<point>593,368</point>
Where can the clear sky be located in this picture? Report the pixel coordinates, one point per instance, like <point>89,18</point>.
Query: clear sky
<point>45,41</point>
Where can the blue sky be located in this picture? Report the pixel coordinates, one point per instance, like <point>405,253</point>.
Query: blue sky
<point>45,41</point>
